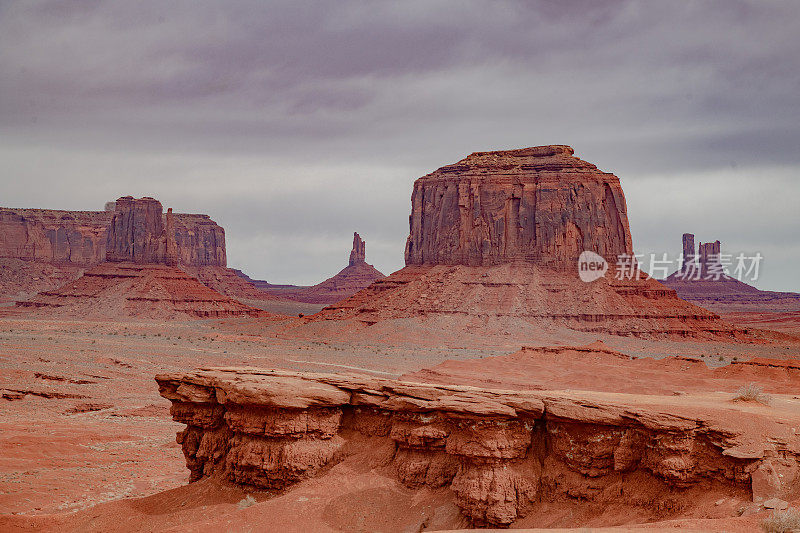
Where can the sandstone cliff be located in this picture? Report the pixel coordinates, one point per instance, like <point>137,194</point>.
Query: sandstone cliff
<point>80,237</point>
<point>58,237</point>
<point>200,241</point>
<point>537,204</point>
<point>503,454</point>
<point>498,235</point>
<point>136,233</point>
<point>140,277</point>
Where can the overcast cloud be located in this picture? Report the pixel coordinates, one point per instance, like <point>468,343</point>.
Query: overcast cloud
<point>294,124</point>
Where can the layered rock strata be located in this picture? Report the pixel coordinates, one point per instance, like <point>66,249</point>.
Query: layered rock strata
<point>153,291</point>
<point>543,297</point>
<point>501,453</point>
<point>537,204</point>
<point>80,237</point>
<point>57,237</point>
<point>499,234</point>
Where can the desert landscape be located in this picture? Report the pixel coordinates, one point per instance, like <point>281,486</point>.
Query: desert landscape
<point>484,385</point>
<point>515,363</point>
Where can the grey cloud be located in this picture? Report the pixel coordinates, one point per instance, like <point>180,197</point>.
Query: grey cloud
<point>256,110</point>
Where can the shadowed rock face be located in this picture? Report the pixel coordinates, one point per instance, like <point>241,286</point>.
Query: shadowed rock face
<point>501,452</point>
<point>136,232</point>
<point>538,204</point>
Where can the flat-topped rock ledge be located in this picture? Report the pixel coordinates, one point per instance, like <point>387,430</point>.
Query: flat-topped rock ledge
<point>501,452</point>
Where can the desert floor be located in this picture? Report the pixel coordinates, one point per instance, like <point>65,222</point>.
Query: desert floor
<point>82,422</point>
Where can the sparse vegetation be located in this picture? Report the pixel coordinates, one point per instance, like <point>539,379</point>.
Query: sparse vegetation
<point>752,392</point>
<point>787,521</point>
<point>247,502</point>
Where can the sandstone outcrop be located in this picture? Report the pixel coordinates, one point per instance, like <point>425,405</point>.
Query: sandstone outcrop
<point>80,237</point>
<point>689,251</point>
<point>537,204</point>
<point>57,237</point>
<point>702,281</point>
<point>708,253</point>
<point>359,252</point>
<point>136,233</point>
<point>140,277</point>
<point>499,234</point>
<point>42,249</point>
<point>200,241</point>
<point>502,453</point>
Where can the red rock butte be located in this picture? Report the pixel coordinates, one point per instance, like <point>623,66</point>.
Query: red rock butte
<point>140,277</point>
<point>538,204</point>
<point>498,235</point>
<point>80,237</point>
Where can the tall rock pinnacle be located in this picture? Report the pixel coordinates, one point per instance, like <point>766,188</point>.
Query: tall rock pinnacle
<point>171,250</point>
<point>688,249</point>
<point>359,252</point>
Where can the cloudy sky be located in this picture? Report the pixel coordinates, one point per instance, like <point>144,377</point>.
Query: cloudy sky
<point>294,124</point>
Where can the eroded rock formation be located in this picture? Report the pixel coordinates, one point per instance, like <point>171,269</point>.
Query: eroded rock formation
<point>689,250</point>
<point>136,233</point>
<point>501,453</point>
<point>42,249</point>
<point>57,237</point>
<point>499,234</point>
<point>140,277</point>
<point>357,275</point>
<point>80,237</point>
<point>537,204</point>
<point>359,252</point>
<point>702,280</point>
<point>200,241</point>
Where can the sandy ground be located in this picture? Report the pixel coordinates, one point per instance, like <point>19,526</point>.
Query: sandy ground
<point>82,422</point>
